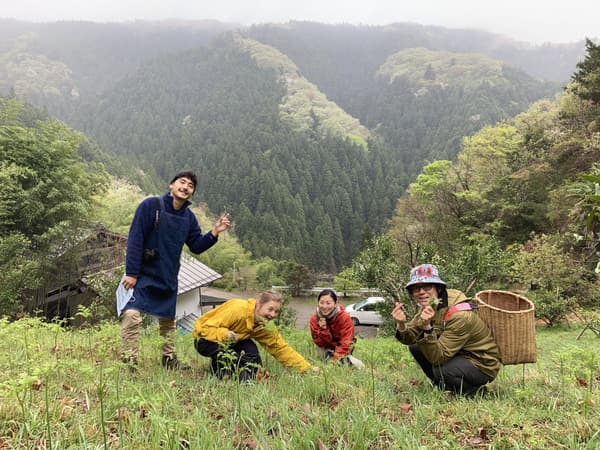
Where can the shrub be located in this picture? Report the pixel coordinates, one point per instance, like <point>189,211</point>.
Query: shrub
<point>550,307</point>
<point>551,275</point>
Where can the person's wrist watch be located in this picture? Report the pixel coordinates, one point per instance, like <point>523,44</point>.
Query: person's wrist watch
<point>428,330</point>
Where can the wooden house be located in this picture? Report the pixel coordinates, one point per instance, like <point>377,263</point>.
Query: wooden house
<point>67,280</point>
<point>101,253</point>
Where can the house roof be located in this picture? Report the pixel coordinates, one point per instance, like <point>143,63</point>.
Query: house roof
<point>193,274</point>
<point>187,323</point>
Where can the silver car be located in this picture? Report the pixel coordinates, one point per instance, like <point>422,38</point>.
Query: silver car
<point>365,312</point>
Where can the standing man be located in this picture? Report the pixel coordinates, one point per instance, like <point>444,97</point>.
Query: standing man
<point>160,227</point>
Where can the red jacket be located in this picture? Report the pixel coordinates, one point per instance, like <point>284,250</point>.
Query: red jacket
<point>338,336</point>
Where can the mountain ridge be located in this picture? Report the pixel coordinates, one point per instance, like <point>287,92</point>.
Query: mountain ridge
<point>266,143</point>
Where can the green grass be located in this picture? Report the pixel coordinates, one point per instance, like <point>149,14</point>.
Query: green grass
<point>66,389</point>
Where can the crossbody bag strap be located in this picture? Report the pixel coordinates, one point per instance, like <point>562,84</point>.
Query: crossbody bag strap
<point>158,204</point>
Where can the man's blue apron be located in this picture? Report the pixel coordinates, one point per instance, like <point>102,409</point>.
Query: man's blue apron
<point>155,292</point>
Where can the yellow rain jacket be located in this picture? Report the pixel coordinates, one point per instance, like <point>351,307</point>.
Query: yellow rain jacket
<point>237,315</point>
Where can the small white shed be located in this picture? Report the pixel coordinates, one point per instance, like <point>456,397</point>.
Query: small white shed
<point>193,275</point>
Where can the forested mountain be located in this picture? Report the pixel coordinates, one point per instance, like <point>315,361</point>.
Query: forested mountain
<point>423,102</point>
<point>304,107</point>
<point>518,208</point>
<point>345,62</point>
<point>57,64</point>
<point>61,62</point>
<point>306,133</point>
<point>327,54</point>
<point>303,195</point>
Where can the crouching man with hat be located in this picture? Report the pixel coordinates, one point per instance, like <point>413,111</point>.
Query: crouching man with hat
<point>446,337</point>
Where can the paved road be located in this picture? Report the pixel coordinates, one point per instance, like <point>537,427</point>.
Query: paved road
<point>305,307</point>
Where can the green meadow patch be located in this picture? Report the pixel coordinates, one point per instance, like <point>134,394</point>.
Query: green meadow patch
<point>62,388</point>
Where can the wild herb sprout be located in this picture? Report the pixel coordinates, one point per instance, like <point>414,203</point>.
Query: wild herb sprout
<point>434,302</point>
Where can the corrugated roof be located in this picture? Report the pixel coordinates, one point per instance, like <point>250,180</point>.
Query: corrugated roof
<point>194,274</point>
<point>186,324</point>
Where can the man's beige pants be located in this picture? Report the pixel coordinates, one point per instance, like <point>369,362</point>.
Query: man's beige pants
<point>131,325</point>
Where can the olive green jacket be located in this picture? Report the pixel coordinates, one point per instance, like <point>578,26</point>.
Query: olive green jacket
<point>465,334</point>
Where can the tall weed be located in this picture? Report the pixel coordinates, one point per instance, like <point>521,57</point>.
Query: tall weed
<point>67,389</point>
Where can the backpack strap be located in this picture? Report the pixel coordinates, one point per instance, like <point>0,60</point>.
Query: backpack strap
<point>456,308</point>
<point>157,204</point>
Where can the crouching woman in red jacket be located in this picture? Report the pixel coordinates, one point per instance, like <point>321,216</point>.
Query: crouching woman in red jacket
<point>332,330</point>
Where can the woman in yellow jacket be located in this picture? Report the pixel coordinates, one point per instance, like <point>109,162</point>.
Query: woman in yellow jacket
<point>232,328</point>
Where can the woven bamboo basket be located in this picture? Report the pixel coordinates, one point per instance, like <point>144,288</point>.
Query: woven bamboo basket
<point>511,318</point>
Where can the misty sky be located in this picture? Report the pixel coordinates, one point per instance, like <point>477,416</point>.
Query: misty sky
<point>534,21</point>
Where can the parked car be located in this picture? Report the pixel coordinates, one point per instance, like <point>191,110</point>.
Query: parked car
<point>365,312</point>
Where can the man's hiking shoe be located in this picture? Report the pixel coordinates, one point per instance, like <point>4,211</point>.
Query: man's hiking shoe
<point>172,363</point>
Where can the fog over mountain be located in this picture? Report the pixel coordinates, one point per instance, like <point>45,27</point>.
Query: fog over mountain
<point>534,21</point>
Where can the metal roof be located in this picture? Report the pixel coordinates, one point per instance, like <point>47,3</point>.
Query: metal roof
<point>193,274</point>
<point>186,324</point>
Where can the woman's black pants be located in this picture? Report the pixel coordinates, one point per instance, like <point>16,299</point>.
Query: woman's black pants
<point>458,375</point>
<point>240,359</point>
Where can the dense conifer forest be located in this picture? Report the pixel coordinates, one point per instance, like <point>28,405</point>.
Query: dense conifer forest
<point>303,179</point>
<point>311,134</point>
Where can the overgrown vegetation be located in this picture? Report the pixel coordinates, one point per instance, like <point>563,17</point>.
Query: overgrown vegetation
<point>65,388</point>
<point>45,192</point>
<point>518,210</point>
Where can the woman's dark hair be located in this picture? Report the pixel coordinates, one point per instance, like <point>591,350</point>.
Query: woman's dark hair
<point>329,292</point>
<point>186,174</point>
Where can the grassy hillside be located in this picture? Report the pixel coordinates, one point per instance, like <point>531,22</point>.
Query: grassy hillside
<point>65,389</point>
<point>424,67</point>
<point>304,106</point>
